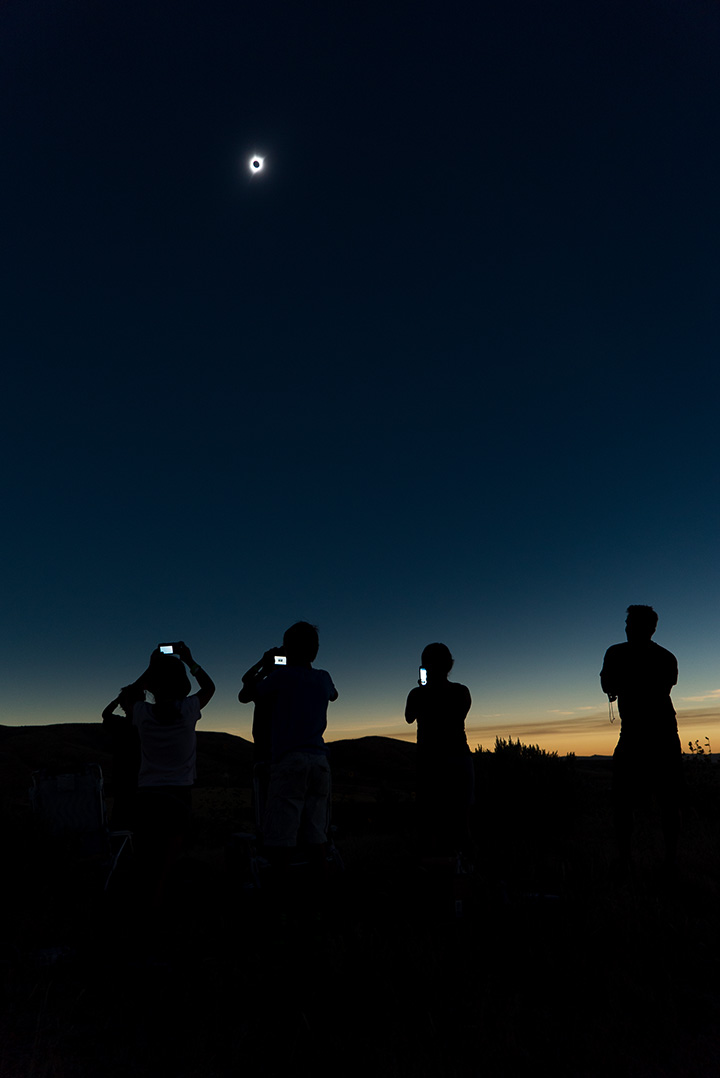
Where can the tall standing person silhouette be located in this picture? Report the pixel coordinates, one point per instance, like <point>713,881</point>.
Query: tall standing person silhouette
<point>293,698</point>
<point>446,783</point>
<point>640,675</point>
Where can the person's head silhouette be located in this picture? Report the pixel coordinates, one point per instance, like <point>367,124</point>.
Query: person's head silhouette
<point>437,660</point>
<point>166,678</point>
<point>301,643</point>
<point>640,624</point>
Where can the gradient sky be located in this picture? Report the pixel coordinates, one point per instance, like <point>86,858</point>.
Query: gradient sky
<point>447,369</point>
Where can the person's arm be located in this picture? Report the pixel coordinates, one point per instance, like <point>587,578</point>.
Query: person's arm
<point>606,678</point>
<point>332,691</point>
<point>252,677</point>
<point>109,711</point>
<point>410,715</point>
<point>126,699</point>
<point>206,683</point>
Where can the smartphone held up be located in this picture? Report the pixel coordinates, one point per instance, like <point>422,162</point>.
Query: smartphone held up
<point>169,649</point>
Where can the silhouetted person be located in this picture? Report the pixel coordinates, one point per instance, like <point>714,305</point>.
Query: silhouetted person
<point>168,747</point>
<point>446,778</point>
<point>125,748</point>
<point>640,675</point>
<point>261,725</point>
<point>292,700</point>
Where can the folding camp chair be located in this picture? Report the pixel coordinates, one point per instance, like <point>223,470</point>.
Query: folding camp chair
<point>70,803</point>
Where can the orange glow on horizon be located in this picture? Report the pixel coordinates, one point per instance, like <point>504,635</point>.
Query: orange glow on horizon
<point>584,735</point>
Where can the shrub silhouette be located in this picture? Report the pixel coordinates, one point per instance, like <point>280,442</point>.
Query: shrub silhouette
<point>523,785</point>
<point>700,778</point>
<point>517,750</point>
<point>698,750</point>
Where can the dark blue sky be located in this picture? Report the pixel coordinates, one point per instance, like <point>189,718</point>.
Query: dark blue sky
<point>446,369</point>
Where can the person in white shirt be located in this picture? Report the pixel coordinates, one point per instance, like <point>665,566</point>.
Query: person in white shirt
<point>168,746</point>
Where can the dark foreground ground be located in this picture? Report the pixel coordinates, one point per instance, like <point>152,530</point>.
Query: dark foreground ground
<point>553,966</point>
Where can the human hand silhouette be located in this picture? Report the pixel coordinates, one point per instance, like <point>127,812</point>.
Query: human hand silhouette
<point>184,652</point>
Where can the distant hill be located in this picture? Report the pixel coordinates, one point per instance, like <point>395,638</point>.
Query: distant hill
<point>223,759</point>
<point>365,766</point>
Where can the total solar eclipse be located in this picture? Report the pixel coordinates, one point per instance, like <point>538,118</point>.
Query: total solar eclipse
<point>256,164</point>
